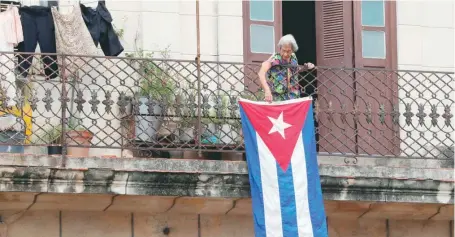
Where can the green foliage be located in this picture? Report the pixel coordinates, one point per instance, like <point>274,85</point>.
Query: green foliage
<point>186,98</point>
<point>219,114</point>
<point>258,96</point>
<point>156,82</point>
<point>119,32</point>
<point>75,125</point>
<point>52,135</point>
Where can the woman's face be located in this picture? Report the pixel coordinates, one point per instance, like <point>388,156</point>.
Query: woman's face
<point>286,51</point>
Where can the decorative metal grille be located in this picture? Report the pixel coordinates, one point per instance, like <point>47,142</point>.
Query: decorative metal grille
<point>152,105</point>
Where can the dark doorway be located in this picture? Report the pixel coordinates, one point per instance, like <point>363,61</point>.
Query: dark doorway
<point>299,19</point>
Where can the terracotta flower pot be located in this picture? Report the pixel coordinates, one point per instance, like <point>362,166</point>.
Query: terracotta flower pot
<point>78,138</point>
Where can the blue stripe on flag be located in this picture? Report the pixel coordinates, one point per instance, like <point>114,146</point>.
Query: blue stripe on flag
<point>254,173</point>
<point>287,201</point>
<point>315,199</point>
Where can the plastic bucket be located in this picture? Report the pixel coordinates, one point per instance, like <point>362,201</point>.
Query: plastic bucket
<point>146,126</point>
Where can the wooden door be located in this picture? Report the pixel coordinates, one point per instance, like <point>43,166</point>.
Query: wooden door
<point>357,104</point>
<point>334,42</point>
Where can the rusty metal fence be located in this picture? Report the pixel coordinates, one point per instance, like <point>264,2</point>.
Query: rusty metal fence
<point>81,105</point>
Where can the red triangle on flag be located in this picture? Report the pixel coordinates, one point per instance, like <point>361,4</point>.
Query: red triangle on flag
<point>279,126</point>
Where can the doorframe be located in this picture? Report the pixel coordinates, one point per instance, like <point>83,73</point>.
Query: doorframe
<point>390,64</point>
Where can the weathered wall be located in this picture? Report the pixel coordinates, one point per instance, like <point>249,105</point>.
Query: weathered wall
<point>25,214</point>
<point>156,25</point>
<point>369,181</point>
<point>121,224</point>
<point>425,34</point>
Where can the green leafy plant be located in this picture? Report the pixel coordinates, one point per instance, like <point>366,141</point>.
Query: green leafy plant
<point>75,125</point>
<point>186,98</point>
<point>220,113</point>
<point>258,96</point>
<point>119,32</point>
<point>52,135</point>
<point>156,82</point>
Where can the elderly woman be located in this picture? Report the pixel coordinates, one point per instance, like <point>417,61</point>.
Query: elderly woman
<point>279,74</point>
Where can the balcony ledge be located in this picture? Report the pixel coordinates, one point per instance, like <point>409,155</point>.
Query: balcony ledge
<point>217,179</point>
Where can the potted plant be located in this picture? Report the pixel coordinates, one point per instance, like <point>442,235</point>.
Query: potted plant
<point>211,123</point>
<point>156,91</point>
<point>210,132</point>
<point>16,121</point>
<point>184,121</point>
<point>220,121</point>
<point>53,138</point>
<point>222,127</point>
<point>186,128</point>
<point>228,131</point>
<point>231,128</point>
<point>77,136</point>
<point>187,99</point>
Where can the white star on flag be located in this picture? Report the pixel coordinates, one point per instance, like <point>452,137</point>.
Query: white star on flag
<point>279,125</point>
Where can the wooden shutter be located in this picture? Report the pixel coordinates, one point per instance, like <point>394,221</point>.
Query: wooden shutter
<point>334,43</point>
<point>377,88</point>
<point>252,60</point>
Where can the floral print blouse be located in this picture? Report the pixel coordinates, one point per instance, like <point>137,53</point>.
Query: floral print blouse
<point>282,87</point>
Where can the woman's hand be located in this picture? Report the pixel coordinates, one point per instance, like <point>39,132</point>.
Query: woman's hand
<point>268,96</point>
<point>262,79</point>
<point>308,66</point>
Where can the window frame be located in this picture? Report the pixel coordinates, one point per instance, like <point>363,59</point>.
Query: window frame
<point>390,30</point>
<point>248,55</point>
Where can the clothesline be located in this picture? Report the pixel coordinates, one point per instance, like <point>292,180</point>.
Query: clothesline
<point>74,33</point>
<point>5,4</point>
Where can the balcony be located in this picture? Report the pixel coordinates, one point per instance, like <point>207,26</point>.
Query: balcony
<point>119,113</point>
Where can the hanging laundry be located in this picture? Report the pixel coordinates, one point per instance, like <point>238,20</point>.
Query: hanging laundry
<point>10,35</point>
<point>73,38</point>
<point>38,27</point>
<point>99,23</point>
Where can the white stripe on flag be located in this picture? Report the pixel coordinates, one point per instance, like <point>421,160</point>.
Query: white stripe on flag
<point>270,190</point>
<point>298,162</point>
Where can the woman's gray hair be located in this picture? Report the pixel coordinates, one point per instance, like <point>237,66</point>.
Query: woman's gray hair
<point>288,39</point>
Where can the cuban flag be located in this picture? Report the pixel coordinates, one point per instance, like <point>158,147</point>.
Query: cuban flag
<point>283,170</point>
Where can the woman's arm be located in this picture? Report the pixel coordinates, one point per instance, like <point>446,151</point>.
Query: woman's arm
<point>262,79</point>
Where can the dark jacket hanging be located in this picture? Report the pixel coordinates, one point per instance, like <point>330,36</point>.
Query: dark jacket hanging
<point>99,23</point>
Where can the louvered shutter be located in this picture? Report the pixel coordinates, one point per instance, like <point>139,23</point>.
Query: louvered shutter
<point>334,42</point>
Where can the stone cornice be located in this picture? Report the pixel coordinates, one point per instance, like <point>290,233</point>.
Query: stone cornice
<point>197,178</point>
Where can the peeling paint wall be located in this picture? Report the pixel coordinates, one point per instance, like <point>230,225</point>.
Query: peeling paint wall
<point>121,224</point>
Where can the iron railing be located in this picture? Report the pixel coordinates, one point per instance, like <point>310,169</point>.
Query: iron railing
<point>147,106</point>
